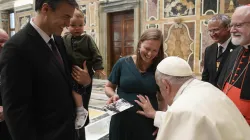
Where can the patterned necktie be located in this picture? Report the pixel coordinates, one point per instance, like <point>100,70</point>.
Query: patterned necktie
<point>220,51</point>
<point>55,52</point>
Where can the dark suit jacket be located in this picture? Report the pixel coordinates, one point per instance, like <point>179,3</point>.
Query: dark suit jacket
<point>36,90</point>
<point>209,73</point>
<point>226,71</point>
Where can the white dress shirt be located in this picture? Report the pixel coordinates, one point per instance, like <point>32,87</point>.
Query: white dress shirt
<point>224,45</point>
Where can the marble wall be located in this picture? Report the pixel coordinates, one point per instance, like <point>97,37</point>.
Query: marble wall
<point>183,23</point>
<point>90,10</point>
<point>22,18</point>
<point>184,26</point>
<point>179,40</point>
<point>5,21</point>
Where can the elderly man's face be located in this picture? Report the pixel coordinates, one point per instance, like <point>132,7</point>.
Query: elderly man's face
<point>165,89</point>
<point>3,38</point>
<point>240,28</point>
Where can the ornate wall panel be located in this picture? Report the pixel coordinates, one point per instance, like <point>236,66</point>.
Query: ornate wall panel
<point>174,8</point>
<point>152,9</point>
<point>5,21</point>
<point>205,42</point>
<point>92,14</point>
<point>84,11</point>
<point>22,18</point>
<point>230,5</point>
<point>152,26</point>
<point>210,7</point>
<point>179,40</point>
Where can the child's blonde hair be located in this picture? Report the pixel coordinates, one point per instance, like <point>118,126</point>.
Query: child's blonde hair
<point>78,14</point>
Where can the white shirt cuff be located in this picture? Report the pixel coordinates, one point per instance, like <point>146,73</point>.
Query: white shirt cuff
<point>158,118</point>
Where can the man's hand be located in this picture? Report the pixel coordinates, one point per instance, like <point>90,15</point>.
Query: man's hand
<point>145,104</point>
<point>113,99</point>
<point>81,76</point>
<point>1,114</point>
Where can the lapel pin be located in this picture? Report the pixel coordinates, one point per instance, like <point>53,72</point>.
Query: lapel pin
<point>231,50</point>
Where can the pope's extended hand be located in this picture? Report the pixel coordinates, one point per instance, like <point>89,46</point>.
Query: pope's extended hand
<point>145,104</point>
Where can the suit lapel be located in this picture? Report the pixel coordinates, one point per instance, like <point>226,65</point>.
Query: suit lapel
<point>213,57</point>
<point>44,49</point>
<point>61,49</point>
<point>229,49</point>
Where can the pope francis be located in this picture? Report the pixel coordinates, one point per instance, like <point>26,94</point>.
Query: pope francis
<point>196,110</point>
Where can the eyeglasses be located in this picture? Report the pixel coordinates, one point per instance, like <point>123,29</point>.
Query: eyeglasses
<point>238,25</point>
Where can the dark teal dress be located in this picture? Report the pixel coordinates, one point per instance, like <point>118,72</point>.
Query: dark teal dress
<point>128,125</point>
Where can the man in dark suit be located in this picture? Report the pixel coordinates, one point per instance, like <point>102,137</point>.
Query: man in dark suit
<point>35,77</point>
<point>4,133</point>
<point>217,53</point>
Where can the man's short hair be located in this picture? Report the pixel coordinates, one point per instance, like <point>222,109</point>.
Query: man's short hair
<point>53,3</point>
<point>225,19</point>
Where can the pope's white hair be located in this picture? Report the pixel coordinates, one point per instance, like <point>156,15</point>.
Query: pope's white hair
<point>172,79</point>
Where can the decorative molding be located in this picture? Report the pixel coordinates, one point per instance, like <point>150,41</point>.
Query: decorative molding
<point>7,5</point>
<point>205,41</point>
<point>148,26</point>
<point>83,8</point>
<point>92,14</point>
<point>210,7</point>
<point>155,11</point>
<point>26,7</point>
<point>177,8</point>
<point>179,40</point>
<point>109,6</point>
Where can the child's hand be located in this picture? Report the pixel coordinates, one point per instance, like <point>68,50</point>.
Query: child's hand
<point>100,72</point>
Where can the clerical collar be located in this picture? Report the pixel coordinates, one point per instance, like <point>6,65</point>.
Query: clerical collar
<point>225,44</point>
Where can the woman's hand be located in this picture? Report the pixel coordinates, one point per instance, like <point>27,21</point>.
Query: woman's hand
<point>113,99</point>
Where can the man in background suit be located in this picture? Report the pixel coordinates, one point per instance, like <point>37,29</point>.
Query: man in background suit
<point>4,133</point>
<point>35,77</point>
<point>217,53</point>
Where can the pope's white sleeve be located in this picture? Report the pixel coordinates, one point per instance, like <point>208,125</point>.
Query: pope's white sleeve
<point>185,125</point>
<point>159,116</point>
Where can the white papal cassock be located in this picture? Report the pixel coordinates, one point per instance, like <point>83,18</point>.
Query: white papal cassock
<point>201,112</point>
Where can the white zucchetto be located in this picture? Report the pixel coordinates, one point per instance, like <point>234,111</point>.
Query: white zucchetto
<point>174,66</point>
